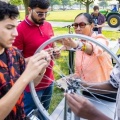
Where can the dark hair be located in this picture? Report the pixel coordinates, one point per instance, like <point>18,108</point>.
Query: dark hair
<point>43,4</point>
<point>95,8</point>
<point>88,16</point>
<point>8,10</point>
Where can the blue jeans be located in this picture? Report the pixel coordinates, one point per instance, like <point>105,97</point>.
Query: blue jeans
<point>44,96</point>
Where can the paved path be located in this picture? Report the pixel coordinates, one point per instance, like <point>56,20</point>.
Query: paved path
<point>62,24</point>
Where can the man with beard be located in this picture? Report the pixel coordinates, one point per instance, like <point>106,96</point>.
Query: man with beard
<point>99,20</point>
<point>33,32</point>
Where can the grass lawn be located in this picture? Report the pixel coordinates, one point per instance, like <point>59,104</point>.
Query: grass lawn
<point>112,35</point>
<point>64,16</point>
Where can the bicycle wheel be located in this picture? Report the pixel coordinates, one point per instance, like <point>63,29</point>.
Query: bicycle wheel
<point>60,72</point>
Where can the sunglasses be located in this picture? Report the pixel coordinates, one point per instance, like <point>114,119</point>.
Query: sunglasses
<point>81,25</point>
<point>41,14</point>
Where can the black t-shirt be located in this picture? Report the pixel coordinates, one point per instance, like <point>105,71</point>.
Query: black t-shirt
<point>95,19</point>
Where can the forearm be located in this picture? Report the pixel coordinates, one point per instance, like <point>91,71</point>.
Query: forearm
<point>103,88</point>
<point>87,48</point>
<point>102,25</point>
<point>38,80</point>
<point>100,116</point>
<point>8,101</point>
<point>39,77</point>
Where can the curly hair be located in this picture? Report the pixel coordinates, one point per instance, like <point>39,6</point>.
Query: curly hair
<point>8,10</point>
<point>43,4</point>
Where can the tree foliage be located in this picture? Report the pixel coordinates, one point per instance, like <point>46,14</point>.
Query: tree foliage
<point>26,3</point>
<point>103,3</point>
<point>54,2</point>
<point>86,3</point>
<point>65,2</point>
<point>16,2</point>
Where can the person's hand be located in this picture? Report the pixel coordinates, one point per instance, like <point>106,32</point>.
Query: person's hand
<point>36,65</point>
<point>57,52</point>
<point>81,106</point>
<point>68,42</point>
<point>97,26</point>
<point>54,52</point>
<point>50,51</point>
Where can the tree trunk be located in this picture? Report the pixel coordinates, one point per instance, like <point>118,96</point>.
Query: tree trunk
<point>80,6</point>
<point>63,7</point>
<point>51,7</point>
<point>87,8</point>
<point>26,3</point>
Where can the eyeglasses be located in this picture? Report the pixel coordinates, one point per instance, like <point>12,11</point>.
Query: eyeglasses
<point>41,14</point>
<point>81,25</point>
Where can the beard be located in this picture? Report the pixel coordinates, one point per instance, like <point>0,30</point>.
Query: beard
<point>41,21</point>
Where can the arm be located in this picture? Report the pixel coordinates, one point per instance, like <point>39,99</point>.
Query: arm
<point>84,108</point>
<point>98,87</point>
<point>38,79</point>
<point>9,100</point>
<point>86,46</point>
<point>35,66</point>
<point>69,43</point>
<point>100,26</point>
<point>111,85</point>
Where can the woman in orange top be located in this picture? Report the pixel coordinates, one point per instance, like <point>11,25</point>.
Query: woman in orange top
<point>92,63</point>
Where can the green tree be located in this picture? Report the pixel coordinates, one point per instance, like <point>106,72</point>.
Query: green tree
<point>54,2</point>
<point>64,3</point>
<point>103,3</point>
<point>16,2</point>
<point>26,3</point>
<point>86,3</point>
